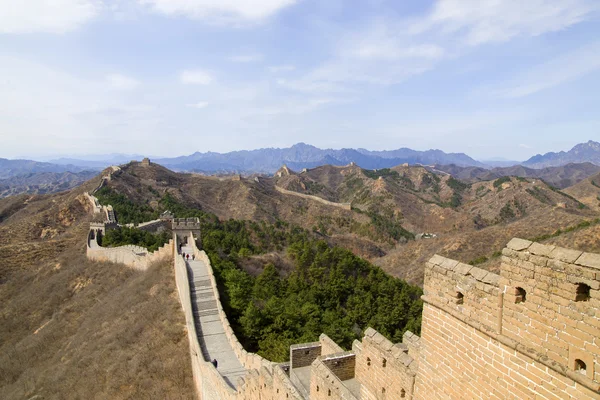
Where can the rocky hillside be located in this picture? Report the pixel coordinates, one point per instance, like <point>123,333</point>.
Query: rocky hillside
<point>389,208</point>
<point>560,177</point>
<point>43,182</point>
<point>587,191</point>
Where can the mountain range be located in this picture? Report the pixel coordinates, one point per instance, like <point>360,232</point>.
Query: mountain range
<point>302,155</point>
<point>583,152</point>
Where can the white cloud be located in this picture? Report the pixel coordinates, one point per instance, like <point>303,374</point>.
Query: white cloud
<point>282,68</point>
<point>220,11</point>
<point>483,21</point>
<point>49,16</point>
<point>524,146</point>
<point>199,105</point>
<point>121,82</point>
<point>196,77</point>
<point>566,68</point>
<point>246,58</point>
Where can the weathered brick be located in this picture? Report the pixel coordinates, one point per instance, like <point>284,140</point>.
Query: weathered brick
<point>589,260</point>
<point>518,244</point>
<point>565,255</point>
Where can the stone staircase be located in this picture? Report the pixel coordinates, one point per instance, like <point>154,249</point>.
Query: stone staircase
<point>211,334</point>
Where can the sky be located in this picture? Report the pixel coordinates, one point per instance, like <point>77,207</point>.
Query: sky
<point>490,78</point>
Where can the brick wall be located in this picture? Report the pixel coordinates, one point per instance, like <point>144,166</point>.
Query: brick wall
<point>384,370</point>
<point>552,320</point>
<point>519,335</point>
<point>325,385</point>
<point>460,362</point>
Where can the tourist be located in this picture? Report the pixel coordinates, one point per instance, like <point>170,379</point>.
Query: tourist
<point>214,362</point>
<point>187,256</point>
<point>193,257</point>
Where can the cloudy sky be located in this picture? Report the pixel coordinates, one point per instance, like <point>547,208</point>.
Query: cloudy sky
<point>491,78</point>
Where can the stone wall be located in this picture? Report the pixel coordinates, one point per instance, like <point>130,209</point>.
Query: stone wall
<point>343,206</point>
<point>384,369</point>
<point>135,257</point>
<point>325,384</point>
<point>526,346</point>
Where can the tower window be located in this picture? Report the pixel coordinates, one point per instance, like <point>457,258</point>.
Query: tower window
<point>520,296</point>
<point>580,366</point>
<point>460,298</point>
<point>583,292</point>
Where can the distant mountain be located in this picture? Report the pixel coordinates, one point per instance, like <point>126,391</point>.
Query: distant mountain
<point>301,156</point>
<point>99,161</point>
<point>43,182</point>
<point>560,177</point>
<point>583,152</point>
<point>10,168</point>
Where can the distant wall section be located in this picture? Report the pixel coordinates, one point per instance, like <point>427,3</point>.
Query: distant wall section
<point>343,206</point>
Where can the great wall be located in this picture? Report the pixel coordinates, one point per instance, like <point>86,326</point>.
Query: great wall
<point>531,332</point>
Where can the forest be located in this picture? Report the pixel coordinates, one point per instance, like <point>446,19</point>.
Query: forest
<point>329,289</point>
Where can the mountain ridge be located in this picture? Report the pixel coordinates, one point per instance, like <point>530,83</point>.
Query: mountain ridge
<point>582,152</point>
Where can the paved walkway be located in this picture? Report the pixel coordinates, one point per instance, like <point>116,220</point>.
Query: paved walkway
<point>211,334</point>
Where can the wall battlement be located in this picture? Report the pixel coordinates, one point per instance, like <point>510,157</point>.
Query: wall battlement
<point>536,326</point>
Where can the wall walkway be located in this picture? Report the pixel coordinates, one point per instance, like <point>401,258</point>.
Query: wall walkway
<point>210,331</point>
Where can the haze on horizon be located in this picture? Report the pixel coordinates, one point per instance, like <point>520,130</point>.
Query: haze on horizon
<point>171,77</point>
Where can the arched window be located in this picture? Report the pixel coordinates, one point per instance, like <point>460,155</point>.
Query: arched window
<point>460,298</point>
<point>580,366</point>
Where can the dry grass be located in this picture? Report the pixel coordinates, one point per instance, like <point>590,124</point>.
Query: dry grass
<point>80,329</point>
<point>72,328</point>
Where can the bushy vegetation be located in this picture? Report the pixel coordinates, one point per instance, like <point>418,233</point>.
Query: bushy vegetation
<point>457,185</point>
<point>330,290</point>
<point>595,184</point>
<point>558,232</point>
<point>539,195</point>
<point>374,174</point>
<point>498,182</point>
<point>124,236</point>
<point>126,210</point>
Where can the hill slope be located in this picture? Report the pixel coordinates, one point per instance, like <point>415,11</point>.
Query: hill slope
<point>389,207</point>
<point>560,177</point>
<point>66,320</point>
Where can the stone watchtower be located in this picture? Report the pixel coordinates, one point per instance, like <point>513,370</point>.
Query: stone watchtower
<point>146,162</point>
<point>182,227</point>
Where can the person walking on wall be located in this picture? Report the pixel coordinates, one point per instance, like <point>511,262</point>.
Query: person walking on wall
<point>193,257</point>
<point>187,256</point>
<point>214,362</point>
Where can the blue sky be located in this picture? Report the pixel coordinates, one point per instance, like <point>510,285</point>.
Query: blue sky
<point>491,78</point>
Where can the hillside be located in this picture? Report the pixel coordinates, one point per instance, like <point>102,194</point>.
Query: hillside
<point>389,208</point>
<point>560,177</point>
<point>587,191</point>
<point>583,152</point>
<point>66,320</point>
<point>43,182</point>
